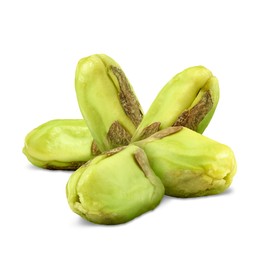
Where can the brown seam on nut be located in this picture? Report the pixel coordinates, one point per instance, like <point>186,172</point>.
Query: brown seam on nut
<point>167,131</point>
<point>94,149</point>
<point>149,130</point>
<point>142,161</point>
<point>72,166</point>
<point>127,98</point>
<point>192,118</point>
<point>117,135</point>
<point>114,151</point>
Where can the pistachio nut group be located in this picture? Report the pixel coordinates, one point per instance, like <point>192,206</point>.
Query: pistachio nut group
<point>125,161</point>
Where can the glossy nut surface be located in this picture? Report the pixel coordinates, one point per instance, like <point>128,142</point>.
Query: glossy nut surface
<point>114,187</point>
<point>62,144</point>
<point>107,101</point>
<point>188,163</point>
<point>189,99</point>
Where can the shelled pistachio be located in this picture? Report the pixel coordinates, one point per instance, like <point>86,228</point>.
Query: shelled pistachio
<point>107,101</point>
<point>114,187</point>
<point>189,99</point>
<point>188,163</point>
<point>63,144</point>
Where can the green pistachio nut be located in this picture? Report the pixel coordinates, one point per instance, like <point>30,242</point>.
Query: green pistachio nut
<point>114,187</point>
<point>189,99</point>
<point>107,101</point>
<point>63,144</point>
<point>188,163</point>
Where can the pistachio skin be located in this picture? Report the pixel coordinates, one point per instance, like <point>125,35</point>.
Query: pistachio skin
<point>107,101</point>
<point>189,99</point>
<point>188,163</point>
<point>114,187</point>
<point>60,144</point>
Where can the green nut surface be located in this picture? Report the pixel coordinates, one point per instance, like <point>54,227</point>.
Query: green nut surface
<point>107,101</point>
<point>63,144</point>
<point>189,99</point>
<point>188,163</point>
<point>114,187</point>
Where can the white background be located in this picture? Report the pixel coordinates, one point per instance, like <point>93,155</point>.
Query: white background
<point>41,42</point>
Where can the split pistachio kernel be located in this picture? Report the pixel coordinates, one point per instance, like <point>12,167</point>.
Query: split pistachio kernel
<point>189,99</point>
<point>60,144</point>
<point>107,101</point>
<point>114,187</point>
<point>188,163</point>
